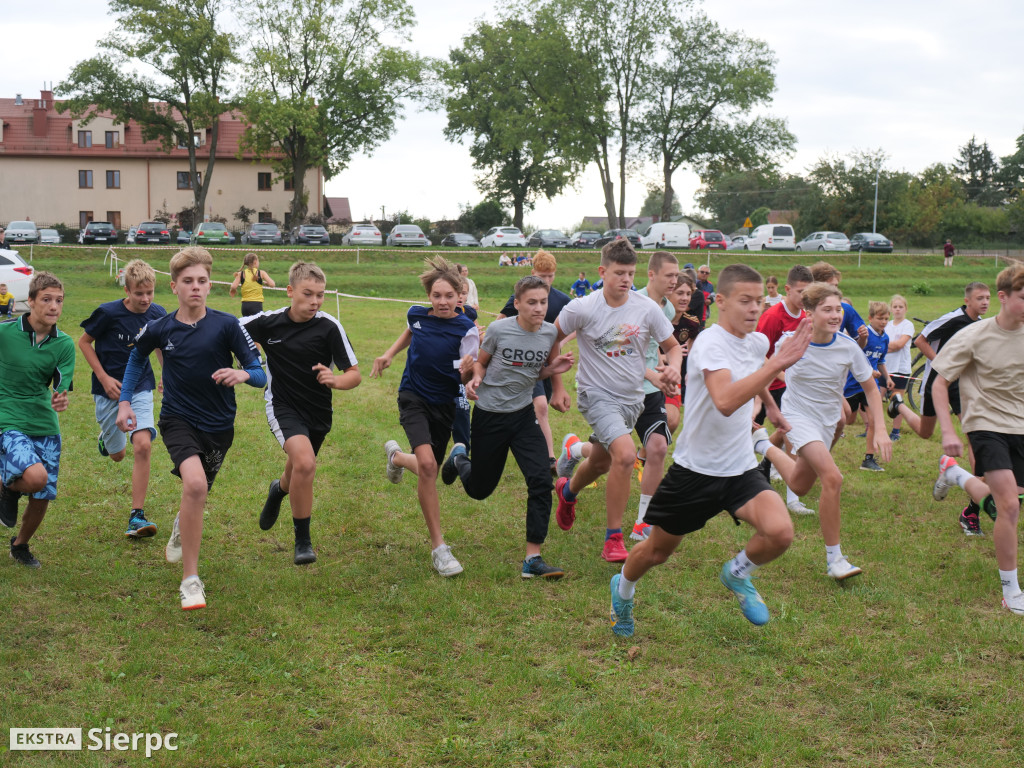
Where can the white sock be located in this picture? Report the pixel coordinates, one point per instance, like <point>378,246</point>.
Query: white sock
<point>644,501</point>
<point>741,566</point>
<point>576,451</point>
<point>762,446</point>
<point>790,496</point>
<point>626,587</point>
<point>1009,580</point>
<point>958,475</point>
<point>833,553</point>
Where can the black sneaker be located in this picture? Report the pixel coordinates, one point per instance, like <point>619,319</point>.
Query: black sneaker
<point>449,471</point>
<point>8,506</point>
<point>765,468</point>
<point>101,447</point>
<point>871,465</point>
<point>895,401</point>
<point>21,555</point>
<point>970,524</point>
<point>304,554</point>
<point>535,566</point>
<point>554,468</point>
<point>272,506</point>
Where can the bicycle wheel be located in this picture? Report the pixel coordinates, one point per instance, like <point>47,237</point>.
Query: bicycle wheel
<point>914,396</point>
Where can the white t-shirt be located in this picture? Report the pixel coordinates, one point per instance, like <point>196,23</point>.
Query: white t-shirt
<point>815,382</point>
<point>613,341</point>
<point>711,443</point>
<point>898,362</point>
<point>653,357</point>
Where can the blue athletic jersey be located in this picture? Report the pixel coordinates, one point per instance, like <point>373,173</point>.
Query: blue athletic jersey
<point>115,327</point>
<point>851,320</point>
<point>556,303</point>
<point>191,354</point>
<point>437,344</point>
<point>874,351</point>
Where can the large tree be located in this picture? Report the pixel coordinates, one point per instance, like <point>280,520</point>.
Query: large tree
<point>731,195</point>
<point>163,68</point>
<point>977,168</point>
<point>325,81</point>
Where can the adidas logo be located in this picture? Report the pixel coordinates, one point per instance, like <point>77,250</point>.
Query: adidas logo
<point>417,326</point>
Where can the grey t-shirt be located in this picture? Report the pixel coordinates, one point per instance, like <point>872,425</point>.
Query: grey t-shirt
<point>517,356</point>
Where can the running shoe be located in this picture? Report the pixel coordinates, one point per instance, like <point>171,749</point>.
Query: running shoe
<point>765,468</point>
<point>445,562</point>
<point>139,527</point>
<point>871,465</point>
<point>613,550</point>
<point>9,506</point>
<point>193,595</point>
<point>989,505</point>
<point>536,566</point>
<point>640,532</point>
<point>173,549</point>
<point>638,465</point>
<point>20,554</point>
<point>101,447</point>
<point>841,569</point>
<point>272,506</point>
<point>554,467</point>
<point>895,401</point>
<point>757,436</point>
<point>391,447</point>
<point>797,507</point>
<point>448,470</point>
<point>1015,603</point>
<point>753,607</point>
<point>941,488</point>
<point>894,435</point>
<point>970,524</point>
<point>863,434</point>
<point>566,464</point>
<point>621,612</point>
<point>304,554</point>
<point>565,512</point>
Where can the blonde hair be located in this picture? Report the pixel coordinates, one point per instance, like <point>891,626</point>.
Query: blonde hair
<point>439,268</point>
<point>137,272</point>
<point>305,270</point>
<point>190,257</point>
<point>897,297</point>
<point>43,280</point>
<point>544,262</point>
<point>876,308</point>
<point>1010,279</point>
<point>817,292</point>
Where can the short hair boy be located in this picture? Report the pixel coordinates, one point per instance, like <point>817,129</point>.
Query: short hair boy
<point>197,414</point>
<point>875,349</point>
<point>6,302</point>
<point>106,343</point>
<point>302,345</point>
<point>726,369</point>
<point>35,355</point>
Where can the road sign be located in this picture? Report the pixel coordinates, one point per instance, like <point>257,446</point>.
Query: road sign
<point>748,224</point>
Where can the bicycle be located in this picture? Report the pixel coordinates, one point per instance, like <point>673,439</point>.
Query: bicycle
<point>917,366</point>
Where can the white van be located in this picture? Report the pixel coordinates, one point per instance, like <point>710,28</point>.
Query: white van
<point>666,234</point>
<point>776,237</point>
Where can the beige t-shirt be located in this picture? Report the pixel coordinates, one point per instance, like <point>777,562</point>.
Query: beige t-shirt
<point>989,362</point>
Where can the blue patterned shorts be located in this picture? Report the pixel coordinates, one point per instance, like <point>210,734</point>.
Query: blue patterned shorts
<point>18,452</point>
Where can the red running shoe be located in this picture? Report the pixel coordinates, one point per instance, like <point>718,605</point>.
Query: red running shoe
<point>565,514</point>
<point>613,550</point>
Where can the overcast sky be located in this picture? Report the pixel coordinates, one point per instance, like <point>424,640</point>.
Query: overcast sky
<point>914,79</point>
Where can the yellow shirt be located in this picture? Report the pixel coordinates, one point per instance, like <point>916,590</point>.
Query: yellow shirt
<point>251,290</point>
<point>6,298</point>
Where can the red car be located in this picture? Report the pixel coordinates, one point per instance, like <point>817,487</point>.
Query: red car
<point>708,239</point>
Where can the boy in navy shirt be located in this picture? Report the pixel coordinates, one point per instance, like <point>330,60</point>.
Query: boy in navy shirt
<point>302,344</point>
<point>106,342</point>
<point>197,415</point>
<point>874,349</point>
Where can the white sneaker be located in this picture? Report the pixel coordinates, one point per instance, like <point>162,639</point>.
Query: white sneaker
<point>173,549</point>
<point>444,562</point>
<point>941,488</point>
<point>757,436</point>
<point>797,507</point>
<point>841,569</point>
<point>193,595</point>
<point>1015,603</point>
<point>391,447</point>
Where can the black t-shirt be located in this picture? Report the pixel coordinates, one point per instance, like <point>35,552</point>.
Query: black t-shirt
<point>556,301</point>
<point>292,350</point>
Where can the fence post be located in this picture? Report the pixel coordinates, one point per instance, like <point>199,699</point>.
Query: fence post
<point>858,258</point>
<point>357,254</point>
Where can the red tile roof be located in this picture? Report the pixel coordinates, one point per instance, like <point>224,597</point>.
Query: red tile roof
<point>341,212</point>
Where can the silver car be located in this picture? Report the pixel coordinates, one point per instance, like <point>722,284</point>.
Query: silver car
<point>407,234</point>
<point>824,241</point>
<point>362,234</point>
<point>21,232</point>
<point>49,237</point>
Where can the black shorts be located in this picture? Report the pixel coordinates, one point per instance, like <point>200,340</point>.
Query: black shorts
<point>426,423</point>
<point>286,422</point>
<point>777,397</point>
<point>251,308</point>
<point>858,401</point>
<point>928,407</point>
<point>686,500</point>
<point>653,420</point>
<point>183,441</point>
<point>994,450</point>
<point>900,381</point>
<point>542,389</point>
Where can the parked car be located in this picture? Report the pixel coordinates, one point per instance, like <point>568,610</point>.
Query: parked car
<point>99,232</point>
<point>310,234</point>
<point>871,242</point>
<point>267,233</point>
<point>618,234</point>
<point>21,232</point>
<point>460,240</point>
<point>406,234</point>
<point>129,236</point>
<point>709,239</point>
<point>211,233</point>
<point>153,232</point>
<point>49,237</point>
<point>503,237</point>
<point>666,234</point>
<point>737,243</point>
<point>824,241</point>
<point>362,234</point>
<point>583,239</point>
<point>547,238</point>
<point>776,237</point>
<point>184,237</point>
<point>17,275</point>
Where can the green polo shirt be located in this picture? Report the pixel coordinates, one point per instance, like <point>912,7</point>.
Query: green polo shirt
<point>28,367</point>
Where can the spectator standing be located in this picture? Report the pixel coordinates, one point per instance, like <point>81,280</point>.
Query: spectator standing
<point>947,253</point>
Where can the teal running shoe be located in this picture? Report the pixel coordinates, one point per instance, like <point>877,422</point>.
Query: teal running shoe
<point>139,527</point>
<point>621,611</point>
<point>753,607</point>
<point>536,566</point>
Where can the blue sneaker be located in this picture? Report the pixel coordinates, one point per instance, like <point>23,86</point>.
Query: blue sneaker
<point>621,611</point>
<point>753,607</point>
<point>139,527</point>
<point>536,566</point>
<point>101,447</point>
<point>449,471</point>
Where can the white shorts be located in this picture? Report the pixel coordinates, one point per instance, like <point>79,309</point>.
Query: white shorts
<point>804,430</point>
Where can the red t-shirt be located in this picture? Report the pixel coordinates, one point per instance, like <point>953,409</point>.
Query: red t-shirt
<point>773,323</point>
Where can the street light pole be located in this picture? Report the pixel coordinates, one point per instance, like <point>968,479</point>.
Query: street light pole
<point>874,221</point>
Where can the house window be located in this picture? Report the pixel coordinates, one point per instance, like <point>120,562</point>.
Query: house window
<point>110,139</point>
<point>84,217</point>
<point>113,179</point>
<point>114,217</point>
<point>263,181</point>
<point>185,179</point>
<point>85,139</point>
<point>289,185</point>
<point>196,141</point>
<point>85,179</point>
<point>266,217</point>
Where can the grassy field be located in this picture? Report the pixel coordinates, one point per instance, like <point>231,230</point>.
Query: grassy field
<point>368,658</point>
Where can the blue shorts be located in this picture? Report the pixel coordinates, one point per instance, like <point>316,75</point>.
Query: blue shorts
<point>19,451</point>
<point>114,440</point>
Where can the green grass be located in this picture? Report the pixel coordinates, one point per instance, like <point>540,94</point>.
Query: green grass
<point>369,659</point>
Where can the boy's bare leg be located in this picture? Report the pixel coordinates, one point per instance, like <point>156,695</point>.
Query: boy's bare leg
<point>190,516</point>
<point>1003,486</point>
<point>299,473</point>
<point>820,461</point>
<point>772,525</point>
<point>596,462</point>
<point>423,464</point>
<point>923,426</point>
<point>657,450</point>
<point>34,513</point>
<point>652,551</point>
<point>142,450</point>
<point>616,491</point>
